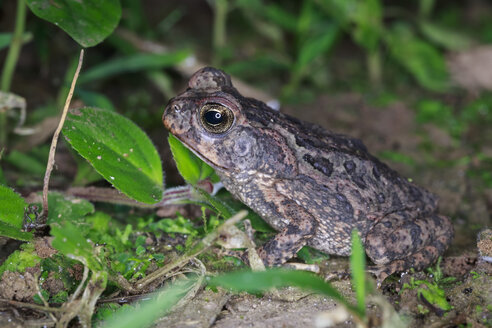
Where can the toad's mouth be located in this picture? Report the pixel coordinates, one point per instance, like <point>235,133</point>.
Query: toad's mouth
<point>197,154</point>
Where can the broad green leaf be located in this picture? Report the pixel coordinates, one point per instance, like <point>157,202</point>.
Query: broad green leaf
<point>357,268</point>
<point>86,173</point>
<point>423,61</point>
<point>367,18</point>
<point>192,168</point>
<point>71,242</point>
<point>119,150</point>
<point>132,63</point>
<point>63,209</point>
<point>88,22</point>
<point>316,46</point>
<point>451,40</point>
<point>12,207</point>
<point>255,282</point>
<point>14,232</point>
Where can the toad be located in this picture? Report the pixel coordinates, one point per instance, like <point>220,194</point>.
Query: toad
<point>311,185</point>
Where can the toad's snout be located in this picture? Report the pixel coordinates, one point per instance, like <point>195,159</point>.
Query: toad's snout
<point>176,118</point>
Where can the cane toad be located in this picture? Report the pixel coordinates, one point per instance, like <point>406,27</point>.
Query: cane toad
<point>311,185</point>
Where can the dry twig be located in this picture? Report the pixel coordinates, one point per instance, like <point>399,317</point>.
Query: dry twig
<point>51,159</point>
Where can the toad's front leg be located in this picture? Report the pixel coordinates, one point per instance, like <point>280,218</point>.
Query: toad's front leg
<point>407,239</point>
<point>290,239</point>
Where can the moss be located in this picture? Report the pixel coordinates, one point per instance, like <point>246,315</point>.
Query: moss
<point>21,259</point>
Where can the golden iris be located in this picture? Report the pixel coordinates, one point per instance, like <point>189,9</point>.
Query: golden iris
<point>216,118</point>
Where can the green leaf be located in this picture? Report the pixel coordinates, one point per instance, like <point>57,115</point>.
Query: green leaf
<point>95,99</point>
<point>68,209</point>
<point>119,150</point>
<point>71,242</point>
<point>316,46</point>
<point>220,206</point>
<point>341,11</point>
<point>451,40</point>
<point>357,266</point>
<point>440,114</point>
<point>419,58</point>
<point>27,162</point>
<point>86,173</point>
<point>192,168</point>
<point>132,63</point>
<point>6,38</point>
<point>281,17</point>
<point>12,207</point>
<point>255,282</point>
<point>178,225</point>
<point>13,232</point>
<point>311,256</point>
<point>397,157</point>
<point>361,18</point>
<point>144,313</point>
<point>367,17</point>
<point>88,22</point>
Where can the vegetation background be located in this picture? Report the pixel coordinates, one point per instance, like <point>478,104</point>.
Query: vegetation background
<point>413,80</point>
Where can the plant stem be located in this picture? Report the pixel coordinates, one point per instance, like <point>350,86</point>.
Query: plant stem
<point>11,62</point>
<point>219,30</point>
<point>374,67</point>
<point>51,159</point>
<point>426,7</point>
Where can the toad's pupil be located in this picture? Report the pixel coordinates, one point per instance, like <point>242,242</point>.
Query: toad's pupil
<point>213,117</point>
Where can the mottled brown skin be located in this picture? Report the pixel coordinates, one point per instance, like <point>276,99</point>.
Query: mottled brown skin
<point>311,185</point>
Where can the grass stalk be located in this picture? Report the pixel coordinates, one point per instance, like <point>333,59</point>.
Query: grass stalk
<point>374,67</point>
<point>11,62</point>
<point>219,30</point>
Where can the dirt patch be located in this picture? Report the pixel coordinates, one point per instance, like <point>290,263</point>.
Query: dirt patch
<point>19,287</point>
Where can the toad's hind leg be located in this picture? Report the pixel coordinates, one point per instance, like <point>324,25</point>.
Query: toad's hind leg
<point>400,242</point>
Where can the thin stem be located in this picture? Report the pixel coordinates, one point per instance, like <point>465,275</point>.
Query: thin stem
<point>11,62</point>
<point>54,142</point>
<point>374,67</point>
<point>219,29</point>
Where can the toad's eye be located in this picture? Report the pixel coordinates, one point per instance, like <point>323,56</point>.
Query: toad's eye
<point>216,118</point>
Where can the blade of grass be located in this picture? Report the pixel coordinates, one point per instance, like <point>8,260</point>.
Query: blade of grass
<point>262,281</point>
<point>145,314</point>
<point>10,63</point>
<point>357,265</point>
